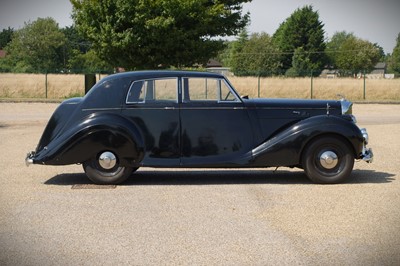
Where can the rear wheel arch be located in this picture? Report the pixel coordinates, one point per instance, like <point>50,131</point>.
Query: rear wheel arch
<point>120,142</point>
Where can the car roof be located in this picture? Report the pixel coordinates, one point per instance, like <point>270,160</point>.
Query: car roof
<point>162,73</point>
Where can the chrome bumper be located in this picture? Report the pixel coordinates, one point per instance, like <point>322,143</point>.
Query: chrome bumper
<point>29,158</point>
<point>366,155</point>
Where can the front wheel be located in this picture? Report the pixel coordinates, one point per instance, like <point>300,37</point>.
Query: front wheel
<point>328,160</point>
<point>106,170</point>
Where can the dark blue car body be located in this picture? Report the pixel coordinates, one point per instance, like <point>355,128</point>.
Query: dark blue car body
<point>194,119</point>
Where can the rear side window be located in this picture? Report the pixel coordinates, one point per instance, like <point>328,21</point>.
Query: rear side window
<point>153,90</point>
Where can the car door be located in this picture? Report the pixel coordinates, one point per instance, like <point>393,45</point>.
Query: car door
<point>152,105</point>
<point>215,126</point>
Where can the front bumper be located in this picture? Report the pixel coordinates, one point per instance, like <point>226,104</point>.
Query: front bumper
<point>366,155</point>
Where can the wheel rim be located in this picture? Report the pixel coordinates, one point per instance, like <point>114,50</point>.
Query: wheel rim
<point>107,160</point>
<point>328,160</point>
<point>107,164</point>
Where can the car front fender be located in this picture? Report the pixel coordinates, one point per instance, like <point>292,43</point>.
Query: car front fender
<point>93,134</point>
<point>285,148</point>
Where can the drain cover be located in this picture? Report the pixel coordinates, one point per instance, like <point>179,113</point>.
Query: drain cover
<point>93,186</point>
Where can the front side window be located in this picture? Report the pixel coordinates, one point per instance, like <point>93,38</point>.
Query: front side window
<point>207,89</point>
<point>153,90</point>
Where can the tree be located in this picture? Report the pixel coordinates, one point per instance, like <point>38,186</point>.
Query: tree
<point>334,44</point>
<point>301,64</point>
<point>75,45</point>
<point>87,63</point>
<point>302,29</point>
<point>138,34</point>
<point>382,55</point>
<point>394,62</point>
<point>5,37</point>
<point>37,47</point>
<point>234,48</point>
<point>356,55</point>
<point>255,56</point>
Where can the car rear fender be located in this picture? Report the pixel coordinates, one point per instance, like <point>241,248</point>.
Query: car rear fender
<point>95,133</point>
<point>285,148</point>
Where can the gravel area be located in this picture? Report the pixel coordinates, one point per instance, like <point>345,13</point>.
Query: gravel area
<point>54,216</point>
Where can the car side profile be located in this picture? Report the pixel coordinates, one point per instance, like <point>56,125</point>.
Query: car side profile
<point>197,120</point>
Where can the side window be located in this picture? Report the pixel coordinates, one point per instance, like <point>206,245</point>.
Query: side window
<point>165,89</point>
<point>136,92</point>
<point>200,89</point>
<point>153,90</point>
<point>226,93</point>
<point>206,89</point>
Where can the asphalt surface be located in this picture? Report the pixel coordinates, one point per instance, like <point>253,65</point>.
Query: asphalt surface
<point>54,216</point>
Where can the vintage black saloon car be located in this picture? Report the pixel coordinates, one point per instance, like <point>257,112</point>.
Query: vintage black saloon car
<point>197,120</point>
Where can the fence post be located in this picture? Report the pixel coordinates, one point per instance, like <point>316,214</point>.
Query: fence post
<point>90,80</point>
<point>312,84</point>
<point>259,85</point>
<point>45,83</point>
<point>364,88</point>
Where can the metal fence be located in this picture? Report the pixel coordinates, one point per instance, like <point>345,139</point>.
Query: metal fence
<point>361,87</point>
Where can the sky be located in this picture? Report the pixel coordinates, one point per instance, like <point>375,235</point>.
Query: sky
<point>377,21</point>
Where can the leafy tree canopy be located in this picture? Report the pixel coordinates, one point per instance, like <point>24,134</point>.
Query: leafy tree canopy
<point>5,37</point>
<point>87,62</point>
<point>394,62</point>
<point>256,55</point>
<point>301,64</point>
<point>356,55</point>
<point>78,55</point>
<point>36,47</point>
<point>138,34</point>
<point>334,44</point>
<point>302,29</point>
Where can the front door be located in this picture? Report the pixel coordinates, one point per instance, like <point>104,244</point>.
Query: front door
<point>216,130</point>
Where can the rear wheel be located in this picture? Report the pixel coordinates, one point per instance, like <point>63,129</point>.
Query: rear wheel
<point>105,169</point>
<point>328,160</point>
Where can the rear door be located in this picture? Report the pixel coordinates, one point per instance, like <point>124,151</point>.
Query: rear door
<point>152,105</point>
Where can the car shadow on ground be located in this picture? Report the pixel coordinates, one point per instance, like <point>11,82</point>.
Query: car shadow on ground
<point>221,177</point>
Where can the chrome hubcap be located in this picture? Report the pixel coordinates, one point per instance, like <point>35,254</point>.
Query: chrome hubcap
<point>328,159</point>
<point>107,160</point>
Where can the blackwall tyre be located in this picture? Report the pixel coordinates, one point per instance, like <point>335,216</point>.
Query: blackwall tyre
<point>328,160</point>
<point>105,169</point>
